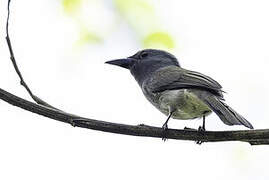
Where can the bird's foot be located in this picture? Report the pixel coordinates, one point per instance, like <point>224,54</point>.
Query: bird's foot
<point>200,130</point>
<point>164,127</point>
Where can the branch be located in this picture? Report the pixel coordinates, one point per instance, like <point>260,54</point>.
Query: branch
<point>13,60</point>
<point>254,137</point>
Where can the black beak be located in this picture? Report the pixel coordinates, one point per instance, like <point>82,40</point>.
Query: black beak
<point>125,63</point>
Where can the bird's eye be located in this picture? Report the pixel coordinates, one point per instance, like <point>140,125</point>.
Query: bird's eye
<point>143,55</point>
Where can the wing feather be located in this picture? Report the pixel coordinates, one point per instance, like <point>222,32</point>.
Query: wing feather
<point>173,77</point>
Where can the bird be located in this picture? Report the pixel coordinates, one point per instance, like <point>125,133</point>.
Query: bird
<point>177,92</point>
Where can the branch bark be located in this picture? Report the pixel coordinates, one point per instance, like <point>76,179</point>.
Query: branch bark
<point>254,137</point>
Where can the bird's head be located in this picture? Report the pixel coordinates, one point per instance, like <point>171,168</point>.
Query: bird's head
<point>145,62</point>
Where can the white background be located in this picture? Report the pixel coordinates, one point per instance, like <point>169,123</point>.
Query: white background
<point>227,40</point>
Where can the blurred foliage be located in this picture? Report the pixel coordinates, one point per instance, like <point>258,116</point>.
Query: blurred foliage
<point>139,15</point>
<point>88,36</point>
<point>134,5</point>
<point>159,40</point>
<point>70,6</point>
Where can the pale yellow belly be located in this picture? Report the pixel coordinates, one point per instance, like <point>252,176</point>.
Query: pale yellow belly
<point>183,103</point>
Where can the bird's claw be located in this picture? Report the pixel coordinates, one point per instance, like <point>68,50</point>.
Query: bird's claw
<point>164,127</point>
<point>201,129</point>
<point>199,142</point>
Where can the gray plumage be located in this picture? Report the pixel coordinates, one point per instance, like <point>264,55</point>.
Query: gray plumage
<point>179,93</point>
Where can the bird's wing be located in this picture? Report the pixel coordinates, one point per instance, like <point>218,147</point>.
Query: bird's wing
<point>173,77</point>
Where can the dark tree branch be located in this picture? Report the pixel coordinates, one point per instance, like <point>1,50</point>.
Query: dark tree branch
<point>254,137</point>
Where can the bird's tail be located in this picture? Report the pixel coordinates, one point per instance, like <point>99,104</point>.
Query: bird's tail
<point>226,113</point>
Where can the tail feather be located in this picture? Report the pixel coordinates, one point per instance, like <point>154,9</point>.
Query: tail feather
<point>226,113</point>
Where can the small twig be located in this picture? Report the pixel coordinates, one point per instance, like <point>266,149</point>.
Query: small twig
<point>12,58</point>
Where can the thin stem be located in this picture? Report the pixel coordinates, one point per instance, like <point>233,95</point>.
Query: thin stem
<point>13,60</point>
